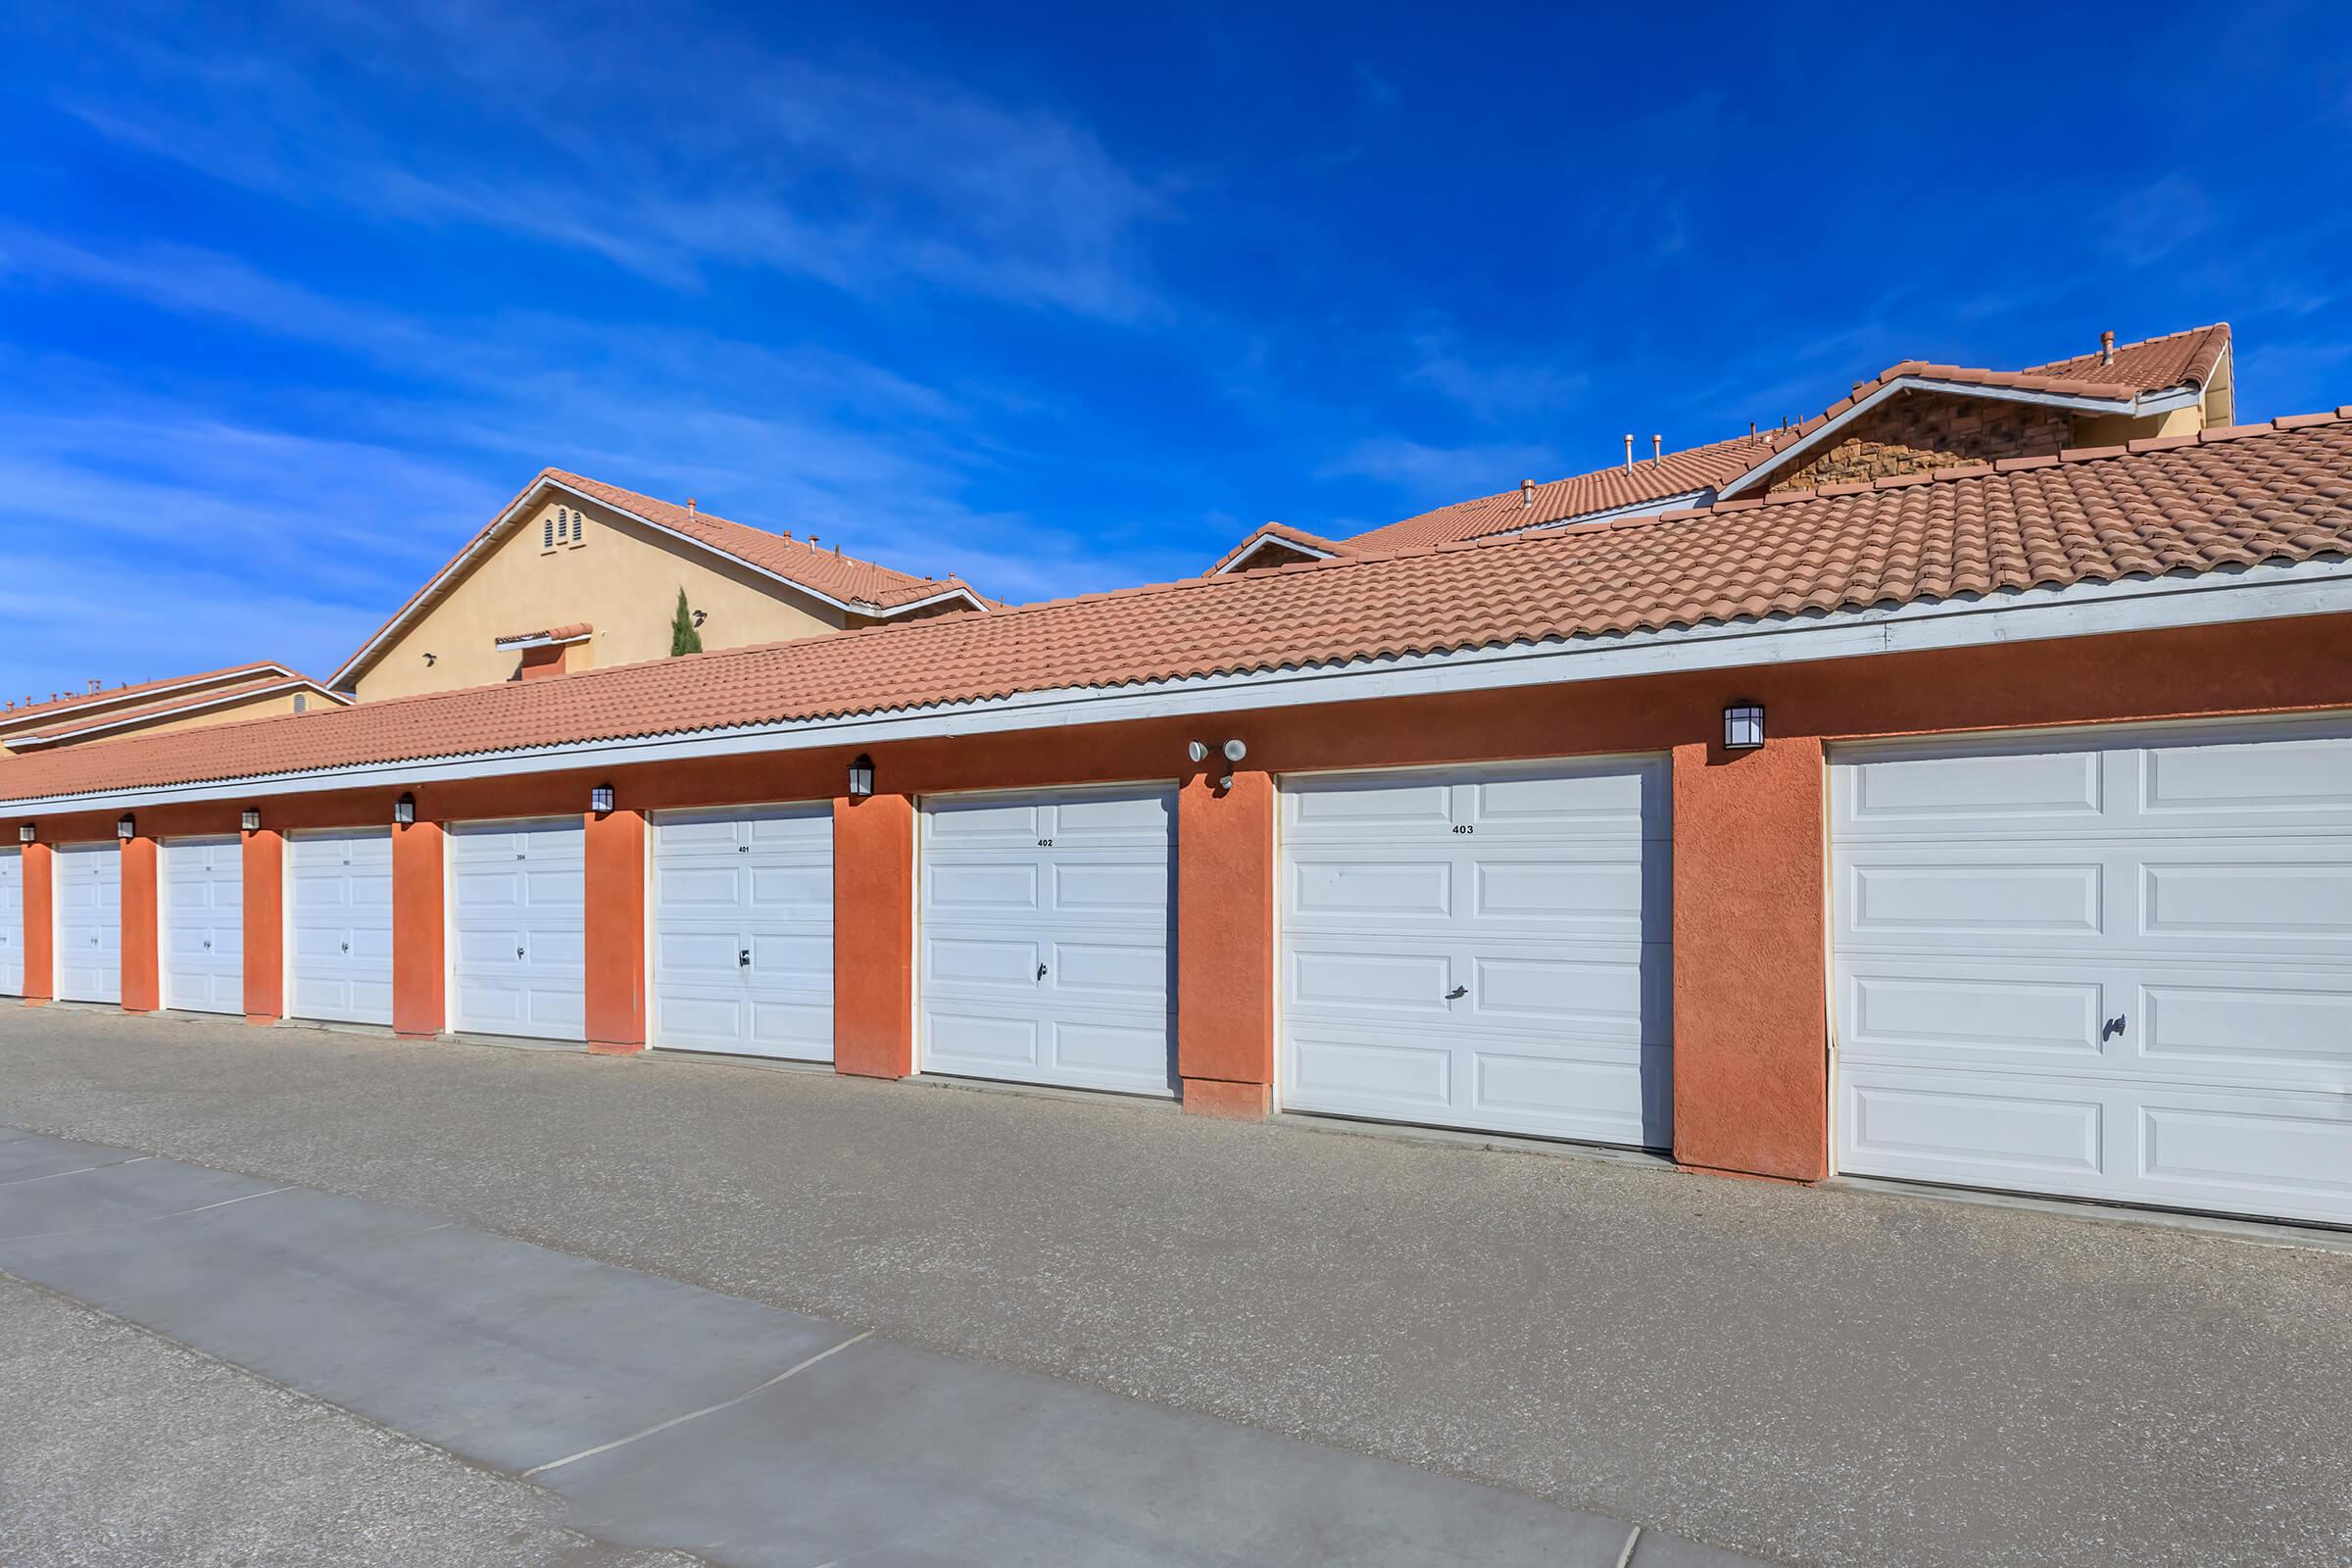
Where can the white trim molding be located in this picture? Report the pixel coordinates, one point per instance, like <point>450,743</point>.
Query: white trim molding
<point>2082,610</point>
<point>201,703</point>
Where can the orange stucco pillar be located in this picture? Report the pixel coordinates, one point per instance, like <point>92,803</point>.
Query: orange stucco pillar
<point>40,923</point>
<point>615,932</point>
<point>265,852</point>
<point>142,976</point>
<point>873,936</point>
<point>420,964</point>
<point>1751,1028</point>
<point>1225,963</point>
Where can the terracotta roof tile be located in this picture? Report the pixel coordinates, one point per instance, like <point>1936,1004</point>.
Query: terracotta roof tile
<point>1677,473</point>
<point>1282,533</point>
<point>2272,495</point>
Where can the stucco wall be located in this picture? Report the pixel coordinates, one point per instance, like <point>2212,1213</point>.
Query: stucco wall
<point>622,579</point>
<point>97,707</point>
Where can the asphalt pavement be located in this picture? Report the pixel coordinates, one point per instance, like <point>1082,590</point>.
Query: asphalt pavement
<point>1814,1376</point>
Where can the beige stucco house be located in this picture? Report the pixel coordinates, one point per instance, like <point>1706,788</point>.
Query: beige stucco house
<point>263,689</point>
<point>575,573</point>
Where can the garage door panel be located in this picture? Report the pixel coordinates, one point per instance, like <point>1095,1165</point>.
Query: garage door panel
<point>203,925</point>
<point>339,925</point>
<point>1369,894</point>
<point>1099,968</point>
<point>1083,822</point>
<point>1089,889</point>
<point>1617,996</point>
<point>1100,1054</point>
<point>1997,793</point>
<point>2277,1155</point>
<point>962,1038</point>
<point>2306,780</point>
<point>1381,979</point>
<point>1607,1098</point>
<point>981,823</point>
<point>2267,896</point>
<point>1009,963</point>
<point>744,883</point>
<point>1540,892</point>
<point>1927,1009</point>
<point>1957,1126</point>
<point>985,888</point>
<point>1914,894</point>
<point>2245,1024</point>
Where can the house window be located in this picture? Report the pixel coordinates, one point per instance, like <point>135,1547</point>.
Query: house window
<point>301,701</point>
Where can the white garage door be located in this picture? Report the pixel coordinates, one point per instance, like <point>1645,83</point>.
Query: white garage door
<point>520,909</point>
<point>2107,964</point>
<point>1482,946</point>
<point>1044,941</point>
<point>203,925</point>
<point>89,922</point>
<point>339,918</point>
<point>12,922</point>
<point>743,931</point>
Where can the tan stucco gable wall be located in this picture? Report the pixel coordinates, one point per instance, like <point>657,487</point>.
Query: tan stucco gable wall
<point>622,579</point>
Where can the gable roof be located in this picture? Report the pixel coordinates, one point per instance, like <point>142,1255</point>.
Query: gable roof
<point>861,587</point>
<point>2178,361</point>
<point>2144,377</point>
<point>1282,536</point>
<point>11,716</point>
<point>2175,506</point>
<point>77,726</point>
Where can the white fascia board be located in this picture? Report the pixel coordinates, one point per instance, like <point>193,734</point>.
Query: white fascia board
<point>2146,404</point>
<point>494,535</point>
<point>509,644</point>
<point>2082,610</point>
<point>199,705</point>
<point>1631,509</point>
<point>1277,542</point>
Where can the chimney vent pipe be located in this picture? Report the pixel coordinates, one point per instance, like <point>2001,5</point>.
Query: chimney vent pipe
<point>2106,348</point>
<point>1527,492</point>
<point>1658,450</point>
<point>1628,448</point>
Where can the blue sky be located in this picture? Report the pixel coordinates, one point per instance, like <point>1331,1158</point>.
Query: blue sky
<point>1061,297</point>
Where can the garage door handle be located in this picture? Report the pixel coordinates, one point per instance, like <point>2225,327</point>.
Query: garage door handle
<point>1041,972</point>
<point>2115,1026</point>
<point>743,957</point>
<point>207,947</point>
<point>346,947</point>
<point>518,953</point>
<point>1458,993</point>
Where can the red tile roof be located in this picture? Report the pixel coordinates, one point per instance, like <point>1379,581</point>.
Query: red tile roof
<point>1678,473</point>
<point>2182,504</point>
<point>15,715</point>
<point>2181,359</point>
<point>863,585</point>
<point>178,702</point>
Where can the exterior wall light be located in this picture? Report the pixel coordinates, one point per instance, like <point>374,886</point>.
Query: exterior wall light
<point>125,826</point>
<point>600,800</point>
<point>1234,751</point>
<point>1743,726</point>
<point>1197,751</point>
<point>403,811</point>
<point>25,833</point>
<point>862,777</point>
<point>253,819</point>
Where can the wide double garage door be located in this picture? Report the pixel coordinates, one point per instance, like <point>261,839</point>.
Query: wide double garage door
<point>2107,964</point>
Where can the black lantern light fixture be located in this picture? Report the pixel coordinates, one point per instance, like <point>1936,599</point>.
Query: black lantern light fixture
<point>1743,726</point>
<point>253,819</point>
<point>600,800</point>
<point>125,826</point>
<point>862,777</point>
<point>403,811</point>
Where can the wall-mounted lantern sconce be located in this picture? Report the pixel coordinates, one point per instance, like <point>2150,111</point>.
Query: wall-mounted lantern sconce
<point>1742,726</point>
<point>403,811</point>
<point>862,777</point>
<point>25,833</point>
<point>600,800</point>
<point>125,826</point>
<point>253,819</point>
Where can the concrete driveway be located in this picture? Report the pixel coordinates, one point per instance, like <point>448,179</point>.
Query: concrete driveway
<point>1819,1377</point>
